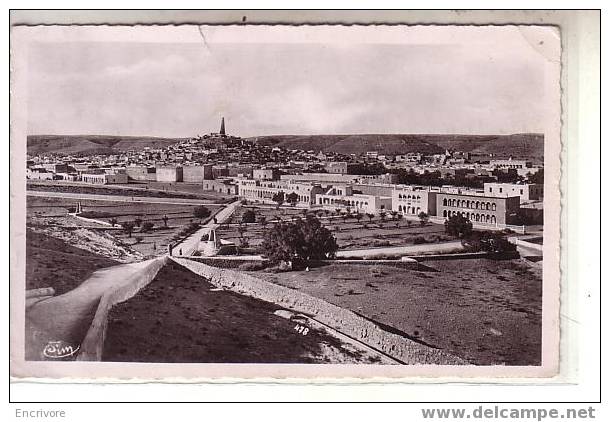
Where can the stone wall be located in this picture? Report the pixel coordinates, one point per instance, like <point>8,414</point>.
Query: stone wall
<point>343,320</point>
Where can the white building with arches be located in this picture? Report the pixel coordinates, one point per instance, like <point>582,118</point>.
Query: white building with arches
<point>478,208</point>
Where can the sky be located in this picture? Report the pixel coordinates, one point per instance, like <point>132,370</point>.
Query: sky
<point>491,81</point>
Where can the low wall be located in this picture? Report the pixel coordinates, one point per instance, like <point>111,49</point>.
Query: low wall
<point>399,347</point>
<point>93,345</point>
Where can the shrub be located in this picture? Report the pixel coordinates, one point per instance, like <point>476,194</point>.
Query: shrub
<point>201,212</point>
<point>147,226</point>
<point>251,266</point>
<point>248,217</point>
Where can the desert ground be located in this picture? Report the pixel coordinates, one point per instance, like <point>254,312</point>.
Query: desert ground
<point>485,311</point>
<point>180,317</point>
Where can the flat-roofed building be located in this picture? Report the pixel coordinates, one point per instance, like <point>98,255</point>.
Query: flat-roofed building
<point>105,178</point>
<point>527,192</point>
<point>193,174</point>
<point>265,174</point>
<point>343,196</point>
<point>141,173</point>
<point>225,186</point>
<point>478,208</point>
<point>169,174</point>
<point>264,190</point>
<point>38,173</point>
<point>339,167</point>
<point>413,200</point>
<point>510,164</point>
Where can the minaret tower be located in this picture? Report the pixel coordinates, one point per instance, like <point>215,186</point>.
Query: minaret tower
<point>222,127</point>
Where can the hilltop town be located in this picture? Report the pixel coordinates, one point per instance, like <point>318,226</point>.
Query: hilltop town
<point>418,229</point>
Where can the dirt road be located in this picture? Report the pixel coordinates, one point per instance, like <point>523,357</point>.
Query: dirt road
<point>403,250</point>
<point>121,198</point>
<point>67,317</point>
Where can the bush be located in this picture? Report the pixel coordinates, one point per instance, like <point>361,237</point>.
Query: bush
<point>251,266</point>
<point>248,217</point>
<point>147,226</point>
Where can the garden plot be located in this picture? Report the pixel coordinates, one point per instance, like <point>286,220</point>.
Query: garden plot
<point>147,242</point>
<point>350,233</point>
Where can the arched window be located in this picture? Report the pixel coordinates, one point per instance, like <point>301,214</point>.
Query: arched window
<point>445,213</point>
<point>487,218</point>
<point>493,206</point>
<point>493,219</point>
<point>444,202</point>
<point>487,206</point>
<point>478,205</point>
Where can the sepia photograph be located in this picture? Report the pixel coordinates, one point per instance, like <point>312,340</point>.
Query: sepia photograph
<point>324,200</point>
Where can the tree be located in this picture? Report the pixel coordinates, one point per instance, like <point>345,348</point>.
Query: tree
<point>138,221</point>
<point>394,214</point>
<point>201,212</point>
<point>488,242</point>
<point>292,198</point>
<point>278,198</point>
<point>458,226</point>
<point>409,222</point>
<point>248,217</point>
<point>345,216</point>
<point>370,216</point>
<point>147,226</point>
<point>165,218</point>
<point>382,215</point>
<point>300,241</point>
<point>263,221</point>
<point>128,227</point>
<point>423,218</point>
<point>358,217</point>
<point>537,177</point>
<point>113,222</point>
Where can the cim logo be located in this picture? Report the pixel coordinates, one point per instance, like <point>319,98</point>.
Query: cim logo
<point>59,350</point>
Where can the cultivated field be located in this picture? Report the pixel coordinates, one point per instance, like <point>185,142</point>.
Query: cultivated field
<point>179,317</point>
<point>350,233</point>
<point>485,311</point>
<point>154,242</point>
<point>135,189</point>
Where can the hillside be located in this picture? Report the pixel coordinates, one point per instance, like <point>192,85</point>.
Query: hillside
<point>352,144</point>
<point>93,144</point>
<point>517,145</point>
